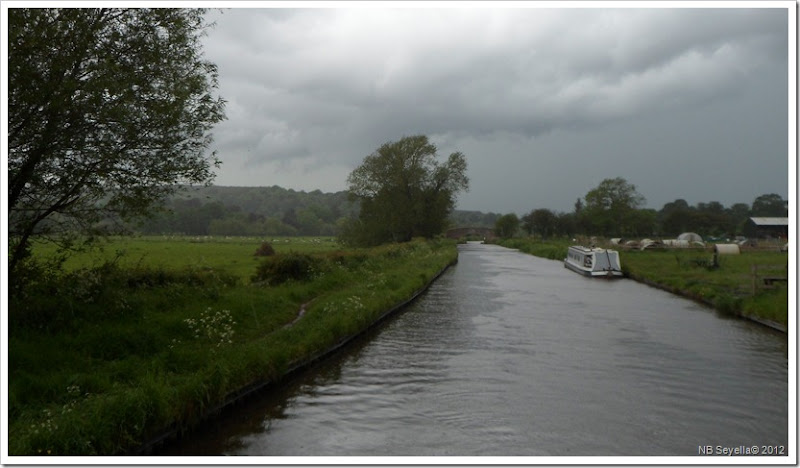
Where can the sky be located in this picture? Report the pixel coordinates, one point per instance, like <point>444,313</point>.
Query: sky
<point>544,102</point>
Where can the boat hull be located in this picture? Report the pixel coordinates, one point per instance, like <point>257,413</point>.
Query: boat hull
<point>590,273</point>
<point>592,262</point>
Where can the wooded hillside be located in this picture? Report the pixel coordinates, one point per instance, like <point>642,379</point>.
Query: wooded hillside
<point>267,211</point>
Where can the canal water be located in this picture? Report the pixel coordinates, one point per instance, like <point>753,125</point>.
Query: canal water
<point>510,354</point>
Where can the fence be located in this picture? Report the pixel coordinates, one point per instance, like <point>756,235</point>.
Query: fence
<point>766,276</point>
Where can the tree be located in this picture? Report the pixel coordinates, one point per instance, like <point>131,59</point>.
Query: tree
<point>714,219</point>
<point>308,223</point>
<point>541,221</point>
<point>676,217</point>
<point>611,206</point>
<point>506,226</point>
<point>526,222</point>
<point>578,206</point>
<point>404,192</point>
<point>566,224</point>
<point>642,222</point>
<point>739,213</point>
<point>110,110</point>
<point>770,204</point>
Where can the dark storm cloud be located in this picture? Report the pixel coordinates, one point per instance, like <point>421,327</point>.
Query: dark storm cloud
<point>313,91</point>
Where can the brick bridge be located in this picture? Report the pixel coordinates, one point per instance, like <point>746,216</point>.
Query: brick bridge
<point>482,232</point>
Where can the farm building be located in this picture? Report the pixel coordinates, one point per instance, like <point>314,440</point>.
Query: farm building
<point>767,228</point>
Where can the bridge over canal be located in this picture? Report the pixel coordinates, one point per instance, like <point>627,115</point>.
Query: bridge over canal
<point>480,232</point>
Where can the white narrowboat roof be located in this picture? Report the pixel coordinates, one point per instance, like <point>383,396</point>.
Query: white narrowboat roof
<point>767,221</point>
<point>590,249</point>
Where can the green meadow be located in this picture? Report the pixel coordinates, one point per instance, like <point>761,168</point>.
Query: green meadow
<point>729,287</point>
<point>154,334</point>
<point>231,254</point>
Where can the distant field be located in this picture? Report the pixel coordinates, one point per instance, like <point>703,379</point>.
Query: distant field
<point>231,254</point>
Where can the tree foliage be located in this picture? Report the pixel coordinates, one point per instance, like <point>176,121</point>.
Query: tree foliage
<point>540,221</point>
<point>252,211</point>
<point>770,205</point>
<point>709,219</point>
<point>267,211</point>
<point>612,205</point>
<point>506,225</point>
<point>404,192</point>
<point>109,110</point>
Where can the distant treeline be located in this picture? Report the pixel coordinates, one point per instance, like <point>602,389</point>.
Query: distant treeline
<point>622,219</point>
<point>276,211</point>
<point>267,211</point>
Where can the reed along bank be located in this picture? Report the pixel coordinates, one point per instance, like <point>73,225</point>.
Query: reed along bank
<point>104,359</point>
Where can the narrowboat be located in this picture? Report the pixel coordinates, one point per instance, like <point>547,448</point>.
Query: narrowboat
<point>593,261</point>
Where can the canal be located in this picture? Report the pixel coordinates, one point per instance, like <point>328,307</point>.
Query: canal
<point>510,354</point>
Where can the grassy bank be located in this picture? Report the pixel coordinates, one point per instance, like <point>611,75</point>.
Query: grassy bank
<point>728,288</point>
<point>109,356</point>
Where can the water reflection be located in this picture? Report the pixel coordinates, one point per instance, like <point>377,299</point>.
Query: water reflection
<point>509,354</point>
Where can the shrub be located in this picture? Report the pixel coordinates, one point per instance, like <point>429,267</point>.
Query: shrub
<point>286,267</point>
<point>265,250</point>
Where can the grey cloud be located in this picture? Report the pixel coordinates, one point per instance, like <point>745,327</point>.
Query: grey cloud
<point>325,87</point>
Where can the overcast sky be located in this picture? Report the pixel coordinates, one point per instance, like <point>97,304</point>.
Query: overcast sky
<point>544,103</point>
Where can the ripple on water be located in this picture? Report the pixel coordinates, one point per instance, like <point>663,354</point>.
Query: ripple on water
<point>508,354</point>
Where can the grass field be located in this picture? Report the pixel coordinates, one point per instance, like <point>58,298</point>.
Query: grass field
<point>231,254</point>
<point>728,288</point>
<point>106,356</point>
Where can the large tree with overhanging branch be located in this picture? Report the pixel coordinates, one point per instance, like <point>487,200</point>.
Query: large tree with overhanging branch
<point>110,111</point>
<point>404,192</point>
